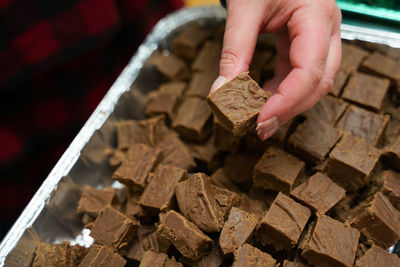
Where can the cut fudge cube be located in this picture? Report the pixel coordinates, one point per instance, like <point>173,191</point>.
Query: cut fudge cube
<point>339,83</point>
<point>238,229</point>
<point>171,67</point>
<point>193,120</point>
<point>392,153</point>
<point>224,140</point>
<point>200,83</point>
<point>239,168</point>
<point>390,187</point>
<point>114,229</point>
<point>237,103</point>
<point>53,255</point>
<point>214,259</point>
<point>319,193</point>
<point>175,153</point>
<point>220,178</point>
<point>287,263</point>
<point>378,257</point>
<point>225,199</point>
<point>366,90</point>
<point>378,221</point>
<point>188,239</point>
<point>331,244</point>
<point>100,255</point>
<point>252,206</point>
<point>133,208</point>
<point>172,88</point>
<point>283,223</point>
<point>277,170</point>
<point>116,158</point>
<point>351,162</point>
<point>197,202</point>
<point>93,200</point>
<point>352,57</point>
<point>313,139</point>
<point>140,160</point>
<point>188,41</point>
<point>249,256</point>
<point>382,65</point>
<point>208,57</point>
<point>152,259</point>
<point>161,103</point>
<point>329,109</point>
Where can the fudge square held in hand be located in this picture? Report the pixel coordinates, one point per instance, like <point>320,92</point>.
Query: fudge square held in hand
<point>237,103</point>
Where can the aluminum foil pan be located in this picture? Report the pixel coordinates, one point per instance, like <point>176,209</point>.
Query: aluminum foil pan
<point>51,214</point>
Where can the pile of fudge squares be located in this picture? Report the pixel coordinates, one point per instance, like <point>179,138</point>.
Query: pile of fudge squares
<point>202,190</point>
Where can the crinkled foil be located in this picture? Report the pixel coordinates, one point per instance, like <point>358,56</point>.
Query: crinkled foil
<point>51,214</point>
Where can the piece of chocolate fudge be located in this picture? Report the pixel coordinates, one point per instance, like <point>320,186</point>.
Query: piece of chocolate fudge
<point>93,200</point>
<point>114,229</point>
<point>205,152</point>
<point>187,43</point>
<point>239,168</point>
<point>382,65</point>
<point>220,178</point>
<point>252,206</point>
<point>24,252</point>
<point>175,153</point>
<point>171,67</point>
<point>188,239</point>
<point>237,103</point>
<point>392,153</point>
<point>352,57</point>
<point>139,162</point>
<point>200,83</point>
<point>390,187</point>
<point>172,88</point>
<point>224,140</point>
<point>378,257</point>
<point>152,259</point>
<point>51,255</point>
<point>161,103</point>
<point>366,90</point>
<point>101,256</point>
<point>208,57</point>
<point>352,157</point>
<point>116,158</point>
<point>249,256</point>
<point>158,193</point>
<point>329,109</point>
<point>277,170</point>
<point>339,83</point>
<point>214,259</point>
<point>283,223</point>
<point>378,221</point>
<point>287,263</point>
<point>133,208</point>
<point>196,201</point>
<point>238,229</point>
<point>313,139</point>
<point>319,193</point>
<point>331,244</point>
<point>193,119</point>
<point>225,199</point>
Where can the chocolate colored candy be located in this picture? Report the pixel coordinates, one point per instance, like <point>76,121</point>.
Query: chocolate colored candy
<point>208,57</point>
<point>172,67</point>
<point>318,193</point>
<point>205,153</point>
<point>93,200</point>
<point>329,109</point>
<point>188,239</point>
<point>340,81</point>
<point>133,208</point>
<point>287,263</point>
<point>172,88</point>
<point>239,168</point>
<point>364,124</point>
<point>224,140</point>
<point>225,199</point>
<point>378,257</point>
<point>200,83</point>
<point>352,57</point>
<point>249,256</point>
<point>382,65</point>
<point>99,256</point>
<point>152,259</point>
<point>238,229</point>
<point>283,223</point>
<point>116,158</point>
<point>220,178</point>
<point>391,187</point>
<point>313,139</point>
<point>193,119</point>
<point>393,153</point>
<point>213,259</point>
<point>113,229</point>
<point>158,193</point>
<point>188,41</point>
<point>352,157</point>
<point>161,103</point>
<point>366,90</point>
<point>378,221</point>
<point>277,170</point>
<point>237,103</point>
<point>331,244</point>
<point>139,162</point>
<point>175,153</point>
<point>197,202</point>
<point>57,255</point>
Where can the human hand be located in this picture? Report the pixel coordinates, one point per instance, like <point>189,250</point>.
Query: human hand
<point>309,48</point>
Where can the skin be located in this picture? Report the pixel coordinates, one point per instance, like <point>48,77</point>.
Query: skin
<point>309,48</point>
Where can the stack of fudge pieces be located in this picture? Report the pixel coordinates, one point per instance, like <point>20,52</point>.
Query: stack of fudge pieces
<point>200,189</point>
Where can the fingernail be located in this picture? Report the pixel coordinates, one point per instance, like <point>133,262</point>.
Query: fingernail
<point>267,124</point>
<point>218,83</point>
<point>269,133</point>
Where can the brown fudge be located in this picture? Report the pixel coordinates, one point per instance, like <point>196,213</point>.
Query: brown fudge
<point>116,158</point>
<point>224,140</point>
<point>382,65</point>
<point>192,120</point>
<point>114,229</point>
<point>139,162</point>
<point>213,259</point>
<point>161,103</point>
<point>283,223</point>
<point>260,59</point>
<point>93,200</point>
<point>200,83</point>
<point>158,193</point>
<point>220,178</point>
<point>287,263</point>
<point>172,88</point>
<point>393,153</point>
<point>55,255</point>
<point>378,220</point>
<point>277,170</point>
<point>249,256</point>
<point>378,257</point>
<point>152,259</point>
<point>313,139</point>
<point>239,168</point>
<point>175,153</point>
<point>237,103</point>
<point>331,244</point>
<point>133,208</point>
<point>188,239</point>
<point>252,206</point>
<point>208,57</point>
<point>352,157</point>
<point>205,152</point>
<point>366,90</point>
<point>339,83</point>
<point>24,251</point>
<point>238,229</point>
<point>101,256</point>
<point>329,109</point>
<point>319,193</point>
<point>390,186</point>
<point>196,201</point>
<point>225,199</point>
<point>187,42</point>
<point>352,57</point>
<point>172,67</point>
